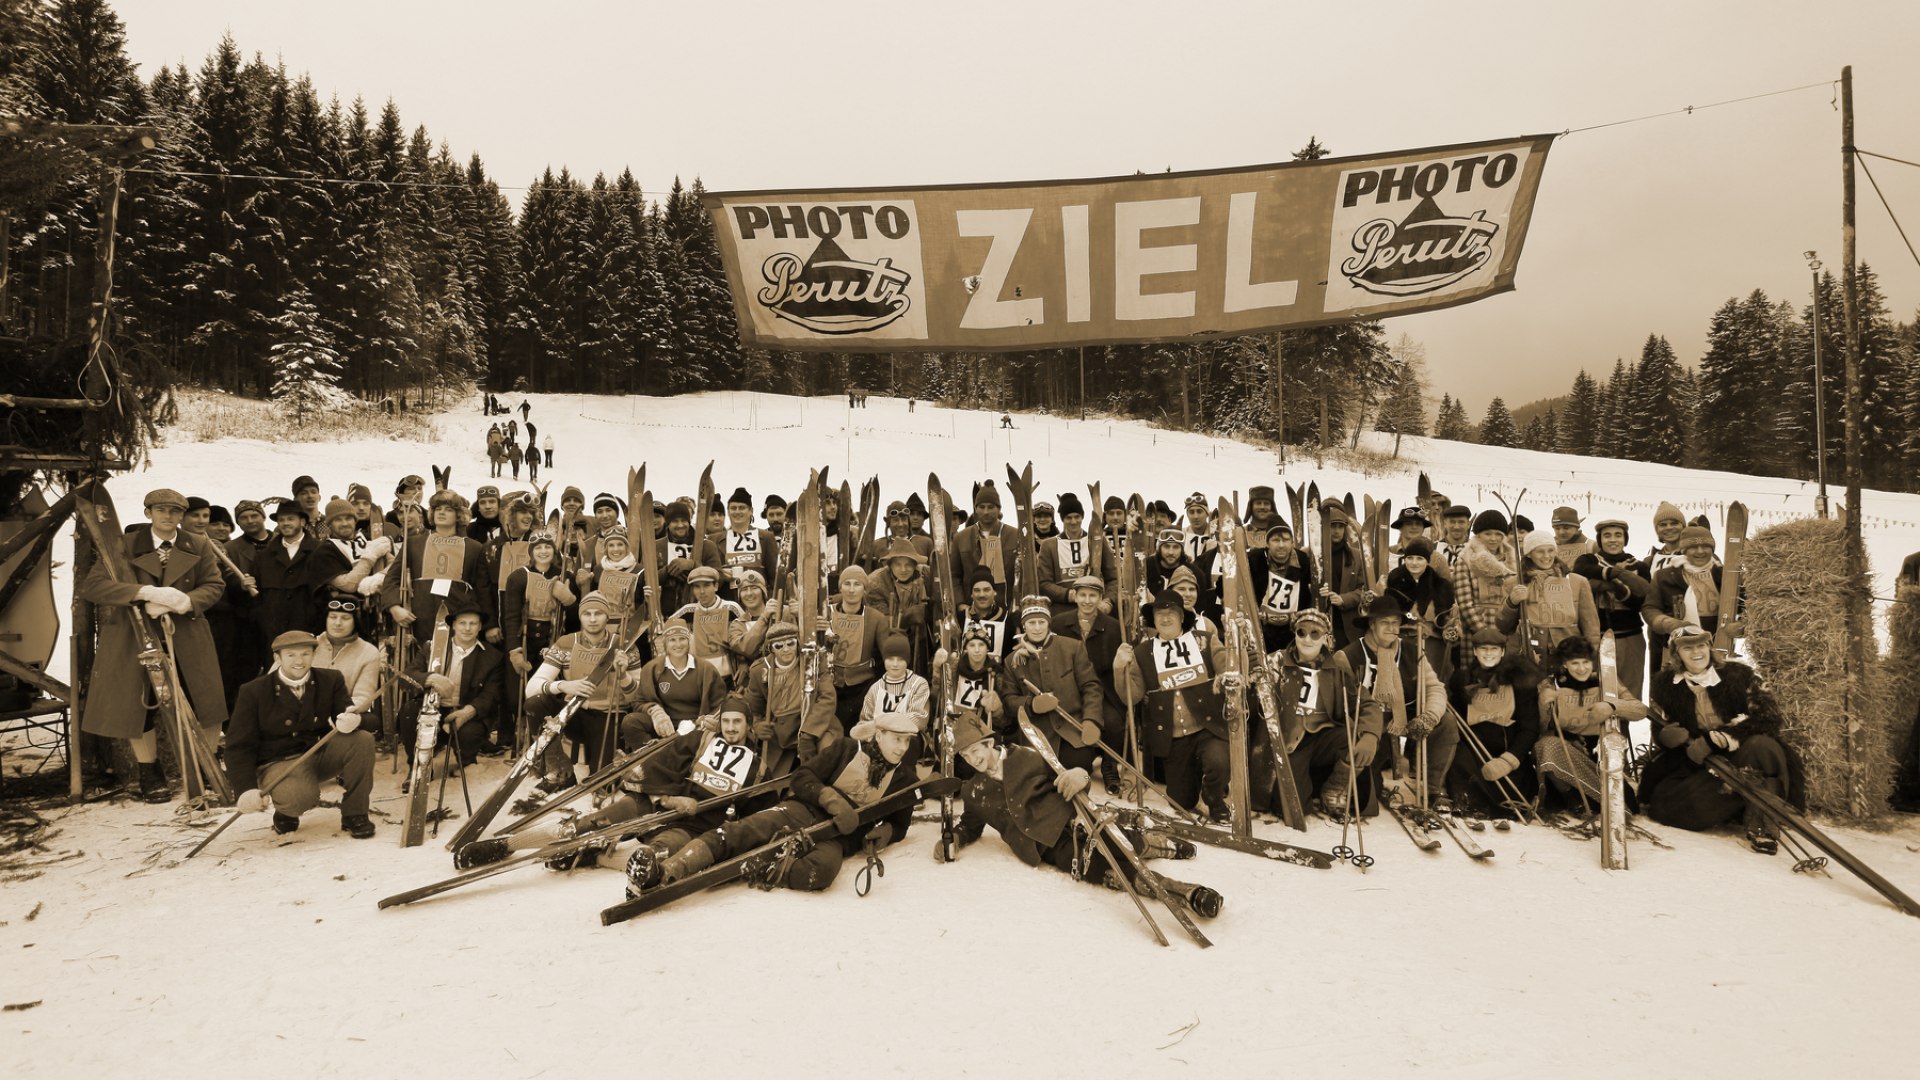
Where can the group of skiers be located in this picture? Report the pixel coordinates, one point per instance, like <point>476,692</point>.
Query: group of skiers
<point>1461,658</point>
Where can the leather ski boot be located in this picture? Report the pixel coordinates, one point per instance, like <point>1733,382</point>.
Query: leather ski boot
<point>480,853</point>
<point>153,783</point>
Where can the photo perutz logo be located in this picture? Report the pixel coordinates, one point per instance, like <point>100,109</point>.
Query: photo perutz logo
<point>825,289</point>
<point>1415,246</point>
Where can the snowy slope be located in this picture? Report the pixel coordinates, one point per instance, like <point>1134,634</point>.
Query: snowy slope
<point>266,955</point>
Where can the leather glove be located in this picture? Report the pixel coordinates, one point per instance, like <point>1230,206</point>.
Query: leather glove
<point>1671,737</point>
<point>845,817</point>
<point>1497,769</point>
<point>1070,783</point>
<point>940,658</point>
<point>518,658</point>
<point>879,836</point>
<point>990,701</point>
<point>1723,742</point>
<point>1698,751</point>
<point>1045,703</point>
<point>1122,657</point>
<point>347,723</point>
<point>371,584</point>
<point>679,804</point>
<point>763,730</point>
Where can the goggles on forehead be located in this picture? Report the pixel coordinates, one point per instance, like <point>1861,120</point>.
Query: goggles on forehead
<point>348,606</point>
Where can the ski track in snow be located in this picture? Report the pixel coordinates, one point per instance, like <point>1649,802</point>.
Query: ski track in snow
<point>266,956</point>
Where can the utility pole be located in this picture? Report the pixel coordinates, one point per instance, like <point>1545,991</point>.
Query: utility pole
<point>1083,382</point>
<point>1858,627</point>
<point>1279,400</point>
<point>1819,394</point>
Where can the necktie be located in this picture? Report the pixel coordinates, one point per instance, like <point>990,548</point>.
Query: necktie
<point>166,551</point>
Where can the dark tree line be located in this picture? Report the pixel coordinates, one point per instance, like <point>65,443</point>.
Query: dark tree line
<point>280,242</point>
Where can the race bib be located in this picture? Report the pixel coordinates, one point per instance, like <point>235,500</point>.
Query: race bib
<point>1179,662</point>
<point>618,586</point>
<point>1074,556</point>
<point>721,767</point>
<point>1283,594</point>
<point>444,556</point>
<point>677,551</point>
<point>968,693</point>
<point>891,702</point>
<point>513,556</point>
<point>1309,699</point>
<point>743,549</point>
<point>847,633</point>
<point>540,603</point>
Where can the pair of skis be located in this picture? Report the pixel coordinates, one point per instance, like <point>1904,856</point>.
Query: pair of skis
<point>940,522</point>
<point>1246,646</point>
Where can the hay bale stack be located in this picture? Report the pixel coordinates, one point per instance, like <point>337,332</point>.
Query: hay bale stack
<point>1796,623</point>
<point>1900,680</point>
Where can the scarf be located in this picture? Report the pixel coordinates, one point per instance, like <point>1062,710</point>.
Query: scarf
<point>627,564</point>
<point>1700,582</point>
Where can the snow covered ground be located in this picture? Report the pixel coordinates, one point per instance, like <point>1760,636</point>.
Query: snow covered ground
<point>266,956</point>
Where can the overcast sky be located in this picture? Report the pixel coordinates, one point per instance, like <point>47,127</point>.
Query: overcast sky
<point>1642,228</point>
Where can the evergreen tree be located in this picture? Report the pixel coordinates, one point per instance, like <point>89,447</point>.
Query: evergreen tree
<point>1578,423</point>
<point>1451,422</point>
<point>1610,435</point>
<point>1405,410</point>
<point>1656,419</point>
<point>306,369</point>
<point>1497,428</point>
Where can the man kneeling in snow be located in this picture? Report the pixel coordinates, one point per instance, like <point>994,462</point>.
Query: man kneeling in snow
<point>1030,806</point>
<point>281,715</point>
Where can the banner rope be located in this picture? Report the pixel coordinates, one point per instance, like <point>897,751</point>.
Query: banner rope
<point>1689,110</point>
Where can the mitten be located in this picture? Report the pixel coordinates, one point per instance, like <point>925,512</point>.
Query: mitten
<point>251,801</point>
<point>1071,783</point>
<point>1698,751</point>
<point>561,594</point>
<point>679,804</point>
<point>1672,737</point>
<point>990,701</point>
<point>845,817</point>
<point>371,584</point>
<point>662,723</point>
<point>763,730</point>
<point>1045,703</point>
<point>347,723</point>
<point>1723,742</point>
<point>377,548</point>
<point>1368,745</point>
<point>1496,770</point>
<point>440,684</point>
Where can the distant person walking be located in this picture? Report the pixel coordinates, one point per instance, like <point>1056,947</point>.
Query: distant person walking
<point>546,444</point>
<point>524,408</point>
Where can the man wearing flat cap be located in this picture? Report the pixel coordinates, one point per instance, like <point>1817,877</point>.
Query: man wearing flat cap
<point>173,575</point>
<point>280,716</point>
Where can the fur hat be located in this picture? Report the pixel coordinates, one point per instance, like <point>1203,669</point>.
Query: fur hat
<point>678,511</point>
<point>1385,607</point>
<point>1489,521</point>
<point>1258,492</point>
<point>1419,546</point>
<point>447,497</point>
<point>1572,648</point>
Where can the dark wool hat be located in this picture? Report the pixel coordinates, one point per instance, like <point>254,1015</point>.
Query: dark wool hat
<point>486,491</point>
<point>977,575</point>
<point>1113,503</point>
<point>773,501</point>
<point>896,644</point>
<point>285,508</point>
<point>1522,523</point>
<point>302,483</point>
<point>217,513</point>
<point>195,502</point>
<point>916,505</point>
<point>574,493</point>
<point>1487,635</point>
<point>608,498</point>
<point>1070,504</point>
<point>359,493</point>
<point>1281,529</point>
<point>985,495</point>
<point>715,506</point>
<point>1419,546</point>
<point>1168,600</point>
<point>346,602</point>
<point>1159,506</point>
<point>1489,521</point>
<point>740,496</point>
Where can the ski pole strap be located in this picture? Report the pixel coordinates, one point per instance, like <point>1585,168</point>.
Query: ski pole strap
<point>874,868</point>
